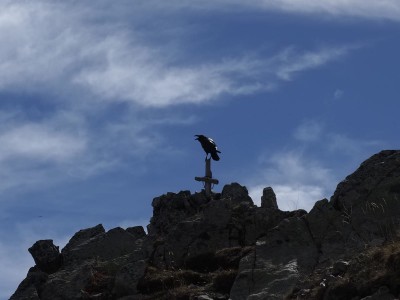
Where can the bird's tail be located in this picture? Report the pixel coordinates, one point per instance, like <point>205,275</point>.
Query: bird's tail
<point>214,155</point>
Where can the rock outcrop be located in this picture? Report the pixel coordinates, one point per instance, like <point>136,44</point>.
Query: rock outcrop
<point>228,248</point>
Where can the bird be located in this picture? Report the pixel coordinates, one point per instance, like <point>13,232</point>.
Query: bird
<point>209,146</point>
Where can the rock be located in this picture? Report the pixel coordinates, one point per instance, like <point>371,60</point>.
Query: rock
<point>127,277</point>
<point>137,231</point>
<point>369,198</point>
<point>207,247</point>
<point>46,256</point>
<point>382,294</point>
<point>279,260</point>
<point>340,267</point>
<point>268,199</point>
<point>71,282</point>
<point>105,246</point>
<point>332,234</point>
<point>82,236</point>
<point>203,297</point>
<point>29,287</point>
<point>236,193</point>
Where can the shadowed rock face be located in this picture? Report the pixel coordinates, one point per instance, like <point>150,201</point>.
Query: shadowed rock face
<point>228,248</point>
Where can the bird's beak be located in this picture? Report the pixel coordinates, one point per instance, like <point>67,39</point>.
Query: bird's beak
<point>197,137</point>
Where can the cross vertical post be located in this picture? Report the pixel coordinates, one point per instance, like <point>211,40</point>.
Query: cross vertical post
<point>207,180</point>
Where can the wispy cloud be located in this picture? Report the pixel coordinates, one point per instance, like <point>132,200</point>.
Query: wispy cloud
<point>354,147</point>
<point>297,180</point>
<point>369,9</point>
<point>308,131</point>
<point>290,62</point>
<point>54,46</point>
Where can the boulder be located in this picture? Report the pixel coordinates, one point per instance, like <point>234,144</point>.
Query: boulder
<point>268,199</point>
<point>285,254</point>
<point>29,287</point>
<point>82,236</point>
<point>46,256</point>
<point>369,199</point>
<point>104,246</point>
<point>236,193</point>
<point>137,231</point>
<point>127,277</point>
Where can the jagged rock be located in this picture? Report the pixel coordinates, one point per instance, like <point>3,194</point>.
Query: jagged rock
<point>333,235</point>
<point>82,236</point>
<point>236,193</point>
<point>195,244</point>
<point>272,270</point>
<point>369,198</point>
<point>70,283</point>
<point>46,255</point>
<point>137,231</point>
<point>127,277</point>
<point>29,287</point>
<point>112,244</point>
<point>268,199</point>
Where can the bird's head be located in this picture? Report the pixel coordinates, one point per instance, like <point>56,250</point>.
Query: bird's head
<point>198,136</point>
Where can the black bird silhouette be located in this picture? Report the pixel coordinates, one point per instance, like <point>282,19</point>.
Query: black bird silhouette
<point>209,146</point>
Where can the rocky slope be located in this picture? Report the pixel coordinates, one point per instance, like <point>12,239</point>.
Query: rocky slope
<point>228,248</point>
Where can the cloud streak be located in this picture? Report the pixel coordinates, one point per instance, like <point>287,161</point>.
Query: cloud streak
<point>368,9</point>
<point>56,46</point>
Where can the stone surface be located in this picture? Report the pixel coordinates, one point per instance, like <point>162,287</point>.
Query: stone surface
<point>268,199</point>
<point>82,236</point>
<point>104,246</point>
<point>46,256</point>
<point>126,279</point>
<point>29,287</point>
<point>272,270</point>
<point>236,193</point>
<point>137,231</point>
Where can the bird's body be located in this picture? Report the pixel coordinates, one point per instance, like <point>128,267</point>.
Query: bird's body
<point>209,146</point>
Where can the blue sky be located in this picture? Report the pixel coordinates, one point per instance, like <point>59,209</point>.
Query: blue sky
<point>100,101</point>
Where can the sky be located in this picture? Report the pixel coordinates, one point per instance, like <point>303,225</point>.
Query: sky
<point>100,102</point>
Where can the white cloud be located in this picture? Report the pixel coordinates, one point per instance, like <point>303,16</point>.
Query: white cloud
<point>57,46</point>
<point>338,94</point>
<point>369,9</point>
<point>355,147</point>
<point>297,181</point>
<point>291,197</point>
<point>308,131</point>
<point>36,141</point>
<point>385,9</point>
<point>292,62</point>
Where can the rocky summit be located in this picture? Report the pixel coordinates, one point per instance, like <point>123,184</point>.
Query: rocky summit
<point>228,248</point>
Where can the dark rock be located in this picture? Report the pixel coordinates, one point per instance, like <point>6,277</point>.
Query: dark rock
<point>82,236</point>
<point>30,287</point>
<point>137,231</point>
<point>279,260</point>
<point>70,282</point>
<point>127,278</point>
<point>369,198</point>
<point>340,267</point>
<point>236,193</point>
<point>225,247</point>
<point>383,293</point>
<point>268,199</point>
<point>105,246</point>
<point>46,255</point>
